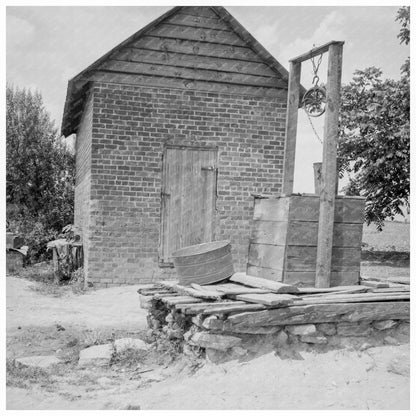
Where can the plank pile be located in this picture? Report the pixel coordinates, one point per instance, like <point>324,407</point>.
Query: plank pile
<point>219,317</point>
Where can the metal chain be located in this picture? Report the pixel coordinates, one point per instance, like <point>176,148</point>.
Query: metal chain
<point>313,127</point>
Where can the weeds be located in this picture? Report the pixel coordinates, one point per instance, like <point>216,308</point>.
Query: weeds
<point>18,375</point>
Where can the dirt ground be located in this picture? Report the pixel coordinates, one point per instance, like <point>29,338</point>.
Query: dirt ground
<point>42,323</point>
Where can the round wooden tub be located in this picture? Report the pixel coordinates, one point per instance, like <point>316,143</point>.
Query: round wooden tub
<point>204,263</point>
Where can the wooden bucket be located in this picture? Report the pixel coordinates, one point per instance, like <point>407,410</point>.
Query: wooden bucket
<point>204,263</point>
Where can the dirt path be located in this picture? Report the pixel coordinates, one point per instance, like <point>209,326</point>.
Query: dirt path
<point>115,307</point>
<point>377,378</point>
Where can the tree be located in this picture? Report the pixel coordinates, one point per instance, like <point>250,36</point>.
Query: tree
<point>374,141</point>
<point>40,168</point>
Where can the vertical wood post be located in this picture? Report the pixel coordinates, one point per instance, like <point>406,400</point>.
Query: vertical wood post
<point>291,126</point>
<point>329,168</point>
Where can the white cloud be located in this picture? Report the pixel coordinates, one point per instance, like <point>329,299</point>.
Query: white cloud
<point>330,28</point>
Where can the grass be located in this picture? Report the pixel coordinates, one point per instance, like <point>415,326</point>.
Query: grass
<point>18,375</point>
<point>43,275</point>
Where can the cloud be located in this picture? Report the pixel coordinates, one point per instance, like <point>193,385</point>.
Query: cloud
<point>330,28</point>
<point>19,31</point>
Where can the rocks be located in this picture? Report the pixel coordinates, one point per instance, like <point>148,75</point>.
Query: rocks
<point>311,339</point>
<point>41,361</point>
<point>383,325</point>
<point>399,366</point>
<point>327,328</point>
<point>213,323</point>
<point>97,355</point>
<point>307,329</point>
<point>257,330</point>
<point>123,344</point>
<point>353,329</point>
<point>281,338</point>
<point>214,341</point>
<point>391,341</point>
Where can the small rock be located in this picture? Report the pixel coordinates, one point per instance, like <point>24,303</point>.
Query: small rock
<point>365,346</point>
<point>132,407</point>
<point>174,333</point>
<point>307,329</point>
<point>213,323</point>
<point>41,361</point>
<point>97,355</point>
<point>238,351</point>
<point>382,325</point>
<point>353,329</point>
<point>281,338</point>
<point>169,318</point>
<point>60,327</point>
<point>215,356</point>
<point>256,329</point>
<point>197,320</point>
<point>327,328</point>
<point>214,341</point>
<point>391,341</point>
<point>400,367</point>
<point>310,339</point>
<point>123,344</point>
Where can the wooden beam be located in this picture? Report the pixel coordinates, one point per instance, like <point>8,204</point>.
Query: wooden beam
<point>291,127</point>
<point>318,313</point>
<point>329,167</point>
<point>316,51</point>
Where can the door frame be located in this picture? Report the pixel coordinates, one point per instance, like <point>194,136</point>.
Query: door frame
<point>162,263</point>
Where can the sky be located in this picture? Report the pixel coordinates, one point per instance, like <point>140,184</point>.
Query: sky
<point>46,46</point>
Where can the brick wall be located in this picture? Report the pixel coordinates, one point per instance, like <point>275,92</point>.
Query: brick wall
<point>83,176</point>
<point>130,126</point>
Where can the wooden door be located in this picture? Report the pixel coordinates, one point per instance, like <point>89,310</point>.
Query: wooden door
<point>189,187</point>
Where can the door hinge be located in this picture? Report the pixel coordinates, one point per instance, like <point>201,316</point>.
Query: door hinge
<point>212,168</point>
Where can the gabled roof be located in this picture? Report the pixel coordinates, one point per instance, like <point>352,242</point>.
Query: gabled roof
<point>79,85</point>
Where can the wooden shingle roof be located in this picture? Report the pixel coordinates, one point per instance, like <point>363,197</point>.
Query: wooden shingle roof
<point>187,47</point>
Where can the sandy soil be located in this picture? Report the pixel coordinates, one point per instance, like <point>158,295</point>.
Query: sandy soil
<point>377,378</point>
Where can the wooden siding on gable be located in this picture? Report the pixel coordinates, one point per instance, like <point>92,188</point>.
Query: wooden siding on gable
<point>193,49</point>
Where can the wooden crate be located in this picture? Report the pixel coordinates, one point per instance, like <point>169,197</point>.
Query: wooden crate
<point>284,238</point>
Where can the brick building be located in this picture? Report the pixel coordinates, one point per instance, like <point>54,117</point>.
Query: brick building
<point>176,128</point>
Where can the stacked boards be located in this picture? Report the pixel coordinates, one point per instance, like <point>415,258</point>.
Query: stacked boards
<point>249,295</point>
<point>284,238</point>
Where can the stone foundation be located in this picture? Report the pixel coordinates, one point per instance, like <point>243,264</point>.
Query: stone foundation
<point>205,336</point>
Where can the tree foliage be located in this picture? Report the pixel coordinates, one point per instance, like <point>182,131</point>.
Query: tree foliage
<point>40,171</point>
<point>374,146</point>
<point>375,142</point>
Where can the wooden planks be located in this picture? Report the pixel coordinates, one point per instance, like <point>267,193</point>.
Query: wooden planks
<point>284,239</point>
<point>172,31</point>
<point>172,46</point>
<point>319,313</point>
<point>306,208</point>
<point>188,84</point>
<point>291,127</point>
<point>165,70</point>
<point>329,168</point>
<point>274,287</point>
<point>302,233</point>
<point>194,61</point>
<point>269,299</point>
<point>316,51</point>
<point>211,22</point>
<point>234,289</point>
<point>352,298</point>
